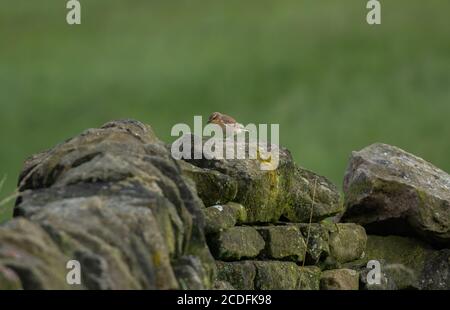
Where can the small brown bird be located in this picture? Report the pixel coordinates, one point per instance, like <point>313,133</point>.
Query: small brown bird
<point>226,122</point>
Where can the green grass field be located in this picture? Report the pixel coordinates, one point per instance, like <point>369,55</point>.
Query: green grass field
<point>332,82</point>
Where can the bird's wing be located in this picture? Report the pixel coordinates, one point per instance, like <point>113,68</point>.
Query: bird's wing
<point>228,119</point>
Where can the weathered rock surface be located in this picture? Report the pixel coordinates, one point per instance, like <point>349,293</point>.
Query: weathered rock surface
<point>283,243</point>
<point>347,242</point>
<point>309,278</point>
<point>332,245</point>
<point>275,203</point>
<point>267,195</point>
<point>339,279</point>
<point>392,277</point>
<point>221,217</point>
<point>407,263</point>
<point>29,258</point>
<point>269,275</point>
<point>9,280</point>
<point>390,191</point>
<point>241,275</point>
<point>276,275</point>
<point>223,286</point>
<point>305,187</point>
<point>317,236</point>
<point>213,187</point>
<point>329,245</point>
<point>115,200</point>
<point>236,243</point>
<point>436,272</point>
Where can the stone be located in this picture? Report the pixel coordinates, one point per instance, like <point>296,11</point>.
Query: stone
<point>392,277</point>
<point>317,237</point>
<point>223,286</point>
<point>236,243</point>
<point>311,195</point>
<point>339,279</point>
<point>408,263</point>
<point>277,275</point>
<point>222,217</point>
<point>262,193</point>
<point>273,275</point>
<point>114,199</point>
<point>268,275</point>
<point>398,250</point>
<point>385,281</point>
<point>347,242</point>
<point>390,191</point>
<point>267,195</point>
<point>241,275</point>
<point>309,278</point>
<point>283,242</point>
<point>436,272</point>
<point>9,280</point>
<point>212,186</point>
<point>29,257</point>
<point>190,273</point>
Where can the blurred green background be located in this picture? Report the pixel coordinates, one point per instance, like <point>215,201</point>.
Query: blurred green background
<point>332,82</point>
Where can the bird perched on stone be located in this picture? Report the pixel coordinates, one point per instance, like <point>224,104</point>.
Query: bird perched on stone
<point>227,123</point>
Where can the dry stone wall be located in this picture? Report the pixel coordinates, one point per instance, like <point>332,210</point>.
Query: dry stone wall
<point>114,199</point>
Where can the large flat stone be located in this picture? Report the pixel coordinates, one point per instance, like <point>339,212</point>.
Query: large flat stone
<point>311,194</point>
<point>222,217</point>
<point>390,191</point>
<point>283,242</point>
<point>236,243</point>
<point>286,191</point>
<point>347,242</point>
<point>114,199</point>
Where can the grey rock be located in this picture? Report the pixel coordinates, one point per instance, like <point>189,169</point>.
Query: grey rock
<point>283,242</point>
<point>390,191</point>
<point>407,263</point>
<point>114,199</point>
<point>339,279</point>
<point>347,242</point>
<point>221,217</point>
<point>287,191</point>
<point>241,275</point>
<point>276,275</point>
<point>317,237</point>
<point>236,243</point>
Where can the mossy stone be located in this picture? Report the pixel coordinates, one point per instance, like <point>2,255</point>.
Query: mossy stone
<point>339,279</point>
<point>283,242</point>
<point>236,243</point>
